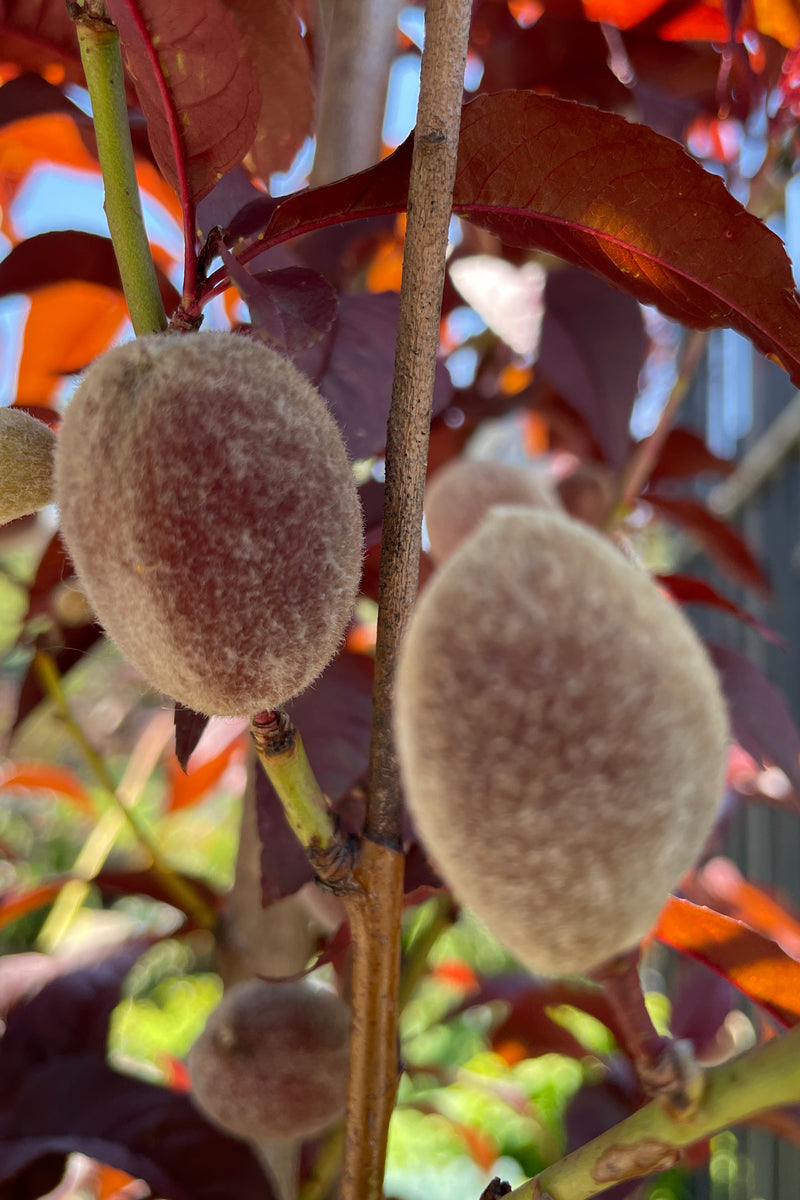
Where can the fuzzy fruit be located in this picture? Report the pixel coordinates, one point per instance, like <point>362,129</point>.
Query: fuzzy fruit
<point>211,513</point>
<point>26,464</point>
<point>461,492</point>
<point>272,1061</point>
<point>562,738</point>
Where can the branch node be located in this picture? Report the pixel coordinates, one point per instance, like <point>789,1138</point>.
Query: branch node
<point>629,1162</point>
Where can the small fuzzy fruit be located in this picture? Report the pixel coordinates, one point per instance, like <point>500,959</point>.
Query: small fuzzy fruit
<point>272,1061</point>
<point>460,494</point>
<point>211,513</point>
<point>562,738</point>
<point>26,464</point>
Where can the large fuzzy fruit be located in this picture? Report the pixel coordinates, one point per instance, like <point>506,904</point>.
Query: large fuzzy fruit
<point>26,464</point>
<point>562,738</point>
<point>460,493</point>
<point>209,507</point>
<point>272,1061</point>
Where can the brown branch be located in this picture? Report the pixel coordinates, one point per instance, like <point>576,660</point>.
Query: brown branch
<point>374,909</point>
<point>430,196</point>
<point>375,905</point>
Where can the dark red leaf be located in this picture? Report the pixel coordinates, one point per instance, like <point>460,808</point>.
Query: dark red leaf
<point>195,83</point>
<point>701,1003</point>
<point>28,96</point>
<point>721,542</point>
<point>68,1016</point>
<point>34,34</point>
<point>74,643</point>
<point>759,714</point>
<point>148,883</point>
<point>189,727</point>
<point>753,964</point>
<point>279,55</point>
<point>591,349</point>
<point>357,382</point>
<point>593,189</point>
<point>78,1104</point>
<point>284,866</point>
<point>684,455</point>
<point>68,254</point>
<point>686,589</point>
<point>293,310</point>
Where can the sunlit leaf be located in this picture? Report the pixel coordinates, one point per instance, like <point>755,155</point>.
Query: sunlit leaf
<point>196,86</point>
<point>45,777</point>
<point>593,189</point>
<point>754,964</point>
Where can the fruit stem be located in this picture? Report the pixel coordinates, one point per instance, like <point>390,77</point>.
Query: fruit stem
<point>102,64</point>
<point>283,756</point>
<point>766,1077</point>
<point>183,894</point>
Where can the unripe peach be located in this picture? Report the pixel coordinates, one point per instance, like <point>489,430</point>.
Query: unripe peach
<point>209,507</point>
<point>272,1061</point>
<point>461,492</point>
<point>562,738</point>
<point>26,464</point>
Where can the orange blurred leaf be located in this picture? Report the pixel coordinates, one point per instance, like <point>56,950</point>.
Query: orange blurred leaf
<point>17,903</point>
<point>727,889</point>
<point>187,789</point>
<point>44,777</point>
<point>754,964</point>
<point>68,325</point>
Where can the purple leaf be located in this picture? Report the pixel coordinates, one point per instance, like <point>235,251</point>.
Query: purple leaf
<point>284,866</point>
<point>189,727</point>
<point>592,347</point>
<point>292,310</point>
<point>78,1104</point>
<point>69,1015</point>
<point>702,1002</point>
<point>759,714</point>
<point>29,96</point>
<point>358,379</point>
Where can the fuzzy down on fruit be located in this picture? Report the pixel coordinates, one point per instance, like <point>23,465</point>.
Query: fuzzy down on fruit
<point>211,513</point>
<point>26,464</point>
<point>272,1061</point>
<point>460,493</point>
<point>562,738</point>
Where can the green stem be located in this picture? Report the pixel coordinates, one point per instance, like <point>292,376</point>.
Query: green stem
<point>102,64</point>
<point>186,897</point>
<point>649,1140</point>
<point>282,754</point>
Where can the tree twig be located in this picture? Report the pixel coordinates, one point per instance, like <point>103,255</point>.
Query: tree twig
<point>430,197</point>
<point>375,905</point>
<point>766,1077</point>
<point>102,64</point>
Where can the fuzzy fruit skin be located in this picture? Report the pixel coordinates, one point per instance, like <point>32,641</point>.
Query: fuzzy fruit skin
<point>562,738</point>
<point>211,513</point>
<point>26,464</point>
<point>272,1061</point>
<point>460,493</point>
